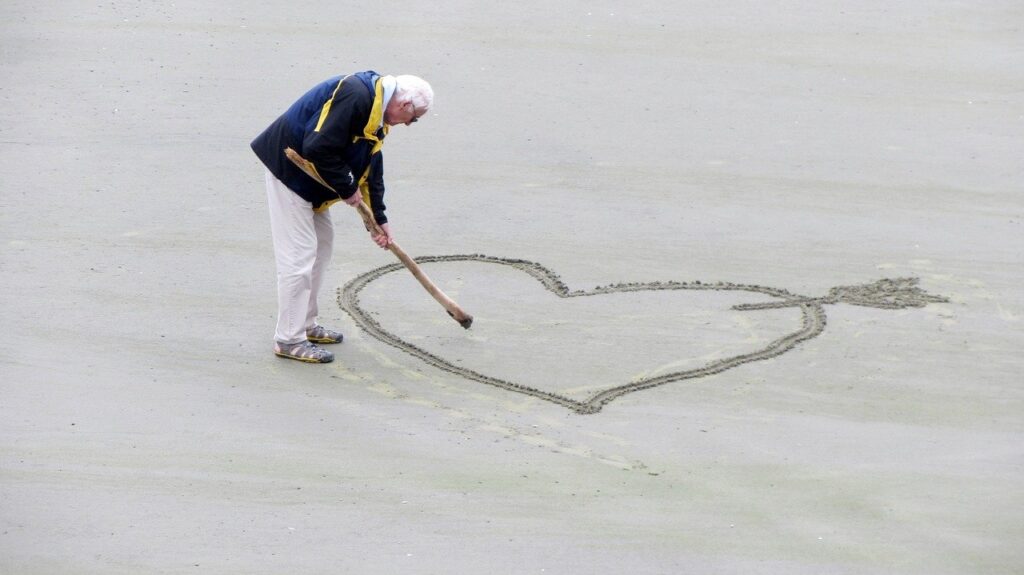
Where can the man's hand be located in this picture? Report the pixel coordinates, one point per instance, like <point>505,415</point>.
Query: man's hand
<point>354,199</point>
<point>383,240</point>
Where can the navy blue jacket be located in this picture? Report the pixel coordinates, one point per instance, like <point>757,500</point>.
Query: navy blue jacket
<point>336,126</point>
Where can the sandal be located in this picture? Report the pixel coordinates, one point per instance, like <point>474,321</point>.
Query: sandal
<point>303,351</point>
<point>320,334</point>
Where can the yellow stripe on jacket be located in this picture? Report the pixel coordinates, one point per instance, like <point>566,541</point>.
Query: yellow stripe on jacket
<point>327,106</point>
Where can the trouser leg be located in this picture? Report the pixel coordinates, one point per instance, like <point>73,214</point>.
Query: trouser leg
<point>292,224</point>
<point>324,248</point>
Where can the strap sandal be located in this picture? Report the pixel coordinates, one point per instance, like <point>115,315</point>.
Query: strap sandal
<point>320,334</point>
<point>303,351</point>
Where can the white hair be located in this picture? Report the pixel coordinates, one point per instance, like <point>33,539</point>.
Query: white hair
<point>414,89</point>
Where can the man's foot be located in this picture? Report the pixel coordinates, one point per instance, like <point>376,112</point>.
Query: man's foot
<point>303,351</point>
<point>320,334</point>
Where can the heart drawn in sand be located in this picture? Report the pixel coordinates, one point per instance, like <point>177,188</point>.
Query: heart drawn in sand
<point>896,293</point>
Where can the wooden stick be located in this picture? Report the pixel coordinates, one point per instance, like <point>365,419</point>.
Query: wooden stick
<point>453,309</point>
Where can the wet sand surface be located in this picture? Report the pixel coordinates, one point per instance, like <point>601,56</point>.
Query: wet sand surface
<point>146,427</point>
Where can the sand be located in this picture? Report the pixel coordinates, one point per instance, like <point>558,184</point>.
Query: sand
<point>784,151</point>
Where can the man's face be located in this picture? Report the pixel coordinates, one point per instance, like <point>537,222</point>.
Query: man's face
<point>401,113</point>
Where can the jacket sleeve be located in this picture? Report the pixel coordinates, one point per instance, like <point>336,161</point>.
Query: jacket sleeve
<point>376,185</point>
<point>324,144</point>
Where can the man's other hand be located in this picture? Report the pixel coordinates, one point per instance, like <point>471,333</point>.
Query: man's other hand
<point>383,240</point>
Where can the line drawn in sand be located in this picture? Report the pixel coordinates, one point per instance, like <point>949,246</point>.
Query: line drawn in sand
<point>890,293</point>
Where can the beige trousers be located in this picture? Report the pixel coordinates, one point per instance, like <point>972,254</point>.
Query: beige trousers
<point>303,243</point>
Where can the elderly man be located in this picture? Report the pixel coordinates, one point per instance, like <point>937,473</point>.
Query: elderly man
<point>339,127</point>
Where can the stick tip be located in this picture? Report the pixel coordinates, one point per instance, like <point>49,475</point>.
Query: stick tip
<point>465,322</point>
